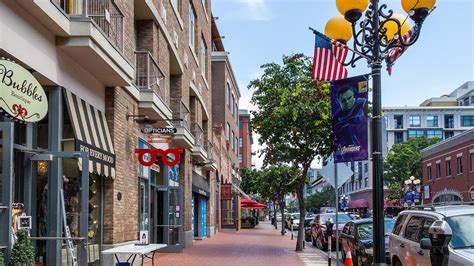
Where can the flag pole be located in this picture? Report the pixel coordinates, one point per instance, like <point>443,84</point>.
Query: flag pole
<point>329,39</point>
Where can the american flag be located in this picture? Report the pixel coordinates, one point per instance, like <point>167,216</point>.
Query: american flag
<point>397,52</point>
<point>329,57</point>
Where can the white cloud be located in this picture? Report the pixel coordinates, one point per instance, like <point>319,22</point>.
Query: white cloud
<point>247,10</point>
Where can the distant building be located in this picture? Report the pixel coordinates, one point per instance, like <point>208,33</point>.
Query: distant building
<point>245,139</point>
<point>442,117</point>
<point>448,170</point>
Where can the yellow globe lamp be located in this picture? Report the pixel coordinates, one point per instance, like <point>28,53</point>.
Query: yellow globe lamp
<point>418,9</point>
<point>391,27</point>
<point>352,9</point>
<point>338,29</point>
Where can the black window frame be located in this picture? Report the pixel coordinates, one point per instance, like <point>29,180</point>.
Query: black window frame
<point>471,159</point>
<point>428,171</point>
<point>448,167</point>
<point>459,166</point>
<point>438,170</point>
<point>425,229</point>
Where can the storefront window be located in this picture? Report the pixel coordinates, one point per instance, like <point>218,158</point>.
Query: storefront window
<point>227,212</point>
<point>174,215</point>
<point>143,222</point>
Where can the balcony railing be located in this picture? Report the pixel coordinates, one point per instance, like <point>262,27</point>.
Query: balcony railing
<point>105,14</point>
<point>198,135</point>
<point>183,115</point>
<point>148,73</point>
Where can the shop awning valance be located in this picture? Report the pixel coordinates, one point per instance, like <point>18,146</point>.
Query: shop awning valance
<point>358,204</point>
<point>92,135</point>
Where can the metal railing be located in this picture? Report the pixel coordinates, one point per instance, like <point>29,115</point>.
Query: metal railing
<point>183,116</point>
<point>105,14</point>
<point>198,133</point>
<point>148,73</point>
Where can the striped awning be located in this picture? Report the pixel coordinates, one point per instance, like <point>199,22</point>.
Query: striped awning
<point>92,135</point>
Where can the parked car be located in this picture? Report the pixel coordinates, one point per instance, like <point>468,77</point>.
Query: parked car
<point>358,236</point>
<point>307,228</point>
<point>296,220</point>
<point>327,209</point>
<point>410,238</point>
<point>318,229</point>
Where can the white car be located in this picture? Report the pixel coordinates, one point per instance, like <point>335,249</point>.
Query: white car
<point>412,228</point>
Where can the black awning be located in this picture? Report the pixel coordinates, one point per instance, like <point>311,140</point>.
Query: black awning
<point>200,184</point>
<point>92,135</point>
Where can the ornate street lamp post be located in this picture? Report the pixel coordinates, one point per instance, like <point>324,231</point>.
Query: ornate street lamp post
<point>380,33</point>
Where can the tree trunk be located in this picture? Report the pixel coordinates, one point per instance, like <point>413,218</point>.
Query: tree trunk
<point>275,215</point>
<point>282,211</point>
<point>300,196</point>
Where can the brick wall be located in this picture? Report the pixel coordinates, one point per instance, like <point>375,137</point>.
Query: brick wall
<point>121,217</point>
<point>127,9</point>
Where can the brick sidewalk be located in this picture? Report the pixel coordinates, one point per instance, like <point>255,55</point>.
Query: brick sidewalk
<point>262,245</point>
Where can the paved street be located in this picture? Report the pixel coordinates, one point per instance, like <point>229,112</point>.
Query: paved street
<point>260,246</point>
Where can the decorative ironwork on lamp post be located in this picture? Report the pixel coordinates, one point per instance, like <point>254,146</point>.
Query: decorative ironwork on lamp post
<point>378,35</point>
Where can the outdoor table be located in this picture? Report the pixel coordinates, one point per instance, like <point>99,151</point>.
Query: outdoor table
<point>134,250</point>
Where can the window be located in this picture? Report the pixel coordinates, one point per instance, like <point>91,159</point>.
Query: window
<point>448,121</point>
<point>459,165</point>
<point>241,124</point>
<point>366,182</point>
<point>438,170</point>
<point>472,100</point>
<point>466,102</point>
<point>467,120</point>
<point>241,158</point>
<point>177,5</point>
<point>426,227</point>
<point>398,119</point>
<point>203,57</point>
<point>228,132</point>
<point>241,143</point>
<point>398,137</point>
<point>236,143</point>
<point>227,96</point>
<point>399,224</point>
<point>236,110</point>
<point>415,121</point>
<point>232,139</point>
<point>471,157</point>
<point>428,172</point>
<point>233,105</point>
<point>448,134</point>
<point>412,230</point>
<point>432,121</point>
<point>434,134</point>
<point>366,167</point>
<point>448,168</point>
<point>192,27</point>
<point>415,133</point>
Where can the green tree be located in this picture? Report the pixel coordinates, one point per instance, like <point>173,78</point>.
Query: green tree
<point>248,180</point>
<point>274,183</point>
<point>403,161</point>
<point>23,252</point>
<point>293,118</point>
<point>319,199</point>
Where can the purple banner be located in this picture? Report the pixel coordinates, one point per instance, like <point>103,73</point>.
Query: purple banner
<point>349,118</point>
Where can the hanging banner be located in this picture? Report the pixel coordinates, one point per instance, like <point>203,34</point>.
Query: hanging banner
<point>21,95</point>
<point>349,118</point>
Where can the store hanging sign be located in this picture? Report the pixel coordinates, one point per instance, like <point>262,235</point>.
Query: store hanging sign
<point>153,153</point>
<point>159,130</point>
<point>21,95</point>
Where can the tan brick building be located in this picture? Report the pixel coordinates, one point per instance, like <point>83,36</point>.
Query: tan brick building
<point>245,139</point>
<point>135,64</point>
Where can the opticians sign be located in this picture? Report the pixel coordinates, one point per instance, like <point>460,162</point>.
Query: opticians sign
<point>21,95</point>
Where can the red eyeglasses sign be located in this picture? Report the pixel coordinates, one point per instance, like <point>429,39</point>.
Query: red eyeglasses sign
<point>164,156</point>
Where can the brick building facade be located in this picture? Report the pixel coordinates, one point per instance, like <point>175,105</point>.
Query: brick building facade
<point>245,139</point>
<point>145,63</point>
<point>448,170</point>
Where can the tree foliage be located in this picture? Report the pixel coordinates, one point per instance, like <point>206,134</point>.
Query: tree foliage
<point>276,181</point>
<point>403,161</point>
<point>249,179</point>
<point>293,118</point>
<point>320,199</point>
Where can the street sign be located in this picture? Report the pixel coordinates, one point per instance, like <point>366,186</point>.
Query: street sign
<point>159,130</point>
<point>343,173</point>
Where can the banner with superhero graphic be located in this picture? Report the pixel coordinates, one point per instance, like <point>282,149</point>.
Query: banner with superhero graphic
<point>349,118</point>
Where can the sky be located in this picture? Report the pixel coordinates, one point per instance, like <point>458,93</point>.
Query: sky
<point>262,31</point>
